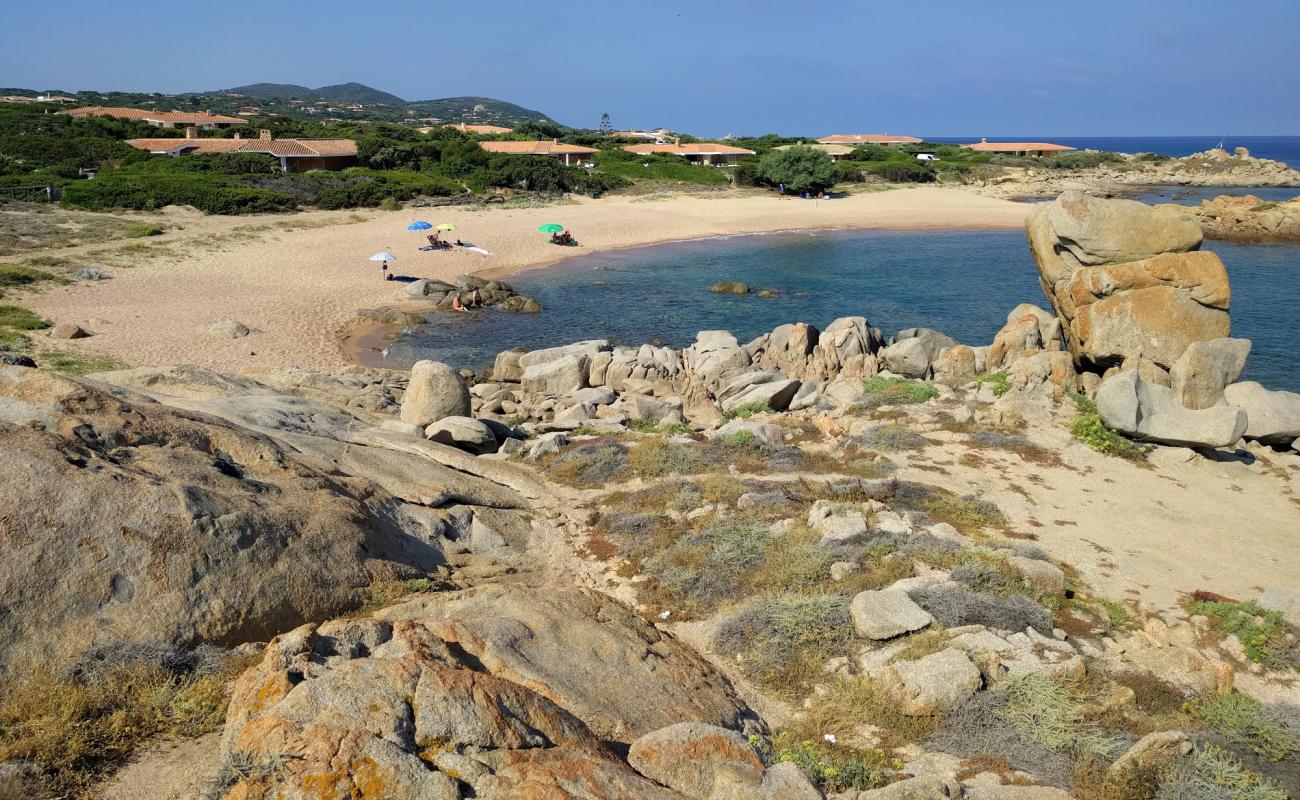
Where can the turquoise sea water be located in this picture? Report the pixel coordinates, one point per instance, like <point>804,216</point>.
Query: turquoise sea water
<point>960,282</point>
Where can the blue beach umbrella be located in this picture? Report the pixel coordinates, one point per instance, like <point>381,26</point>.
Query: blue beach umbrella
<point>419,225</point>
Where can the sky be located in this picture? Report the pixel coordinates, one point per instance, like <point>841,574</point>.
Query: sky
<point>939,68</point>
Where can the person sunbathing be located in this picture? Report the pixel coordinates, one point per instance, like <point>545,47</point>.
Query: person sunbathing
<point>457,305</point>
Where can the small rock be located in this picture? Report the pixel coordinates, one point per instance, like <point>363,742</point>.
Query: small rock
<point>936,683</point>
<point>16,360</point>
<point>730,287</point>
<point>67,330</point>
<point>464,433</point>
<point>226,327</point>
<point>842,569</point>
<point>1284,601</point>
<point>1043,577</point>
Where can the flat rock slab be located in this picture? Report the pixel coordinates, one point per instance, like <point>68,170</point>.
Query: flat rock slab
<point>886,613</point>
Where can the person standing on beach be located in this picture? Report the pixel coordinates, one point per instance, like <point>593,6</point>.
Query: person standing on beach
<point>383,269</point>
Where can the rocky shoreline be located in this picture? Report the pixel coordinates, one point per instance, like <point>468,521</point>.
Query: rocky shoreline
<point>1213,167</point>
<point>819,564</point>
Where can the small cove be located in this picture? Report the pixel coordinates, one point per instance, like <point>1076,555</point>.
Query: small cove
<point>962,282</point>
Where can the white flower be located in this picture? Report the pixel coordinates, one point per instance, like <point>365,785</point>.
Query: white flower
<point>665,614</point>
<point>830,737</point>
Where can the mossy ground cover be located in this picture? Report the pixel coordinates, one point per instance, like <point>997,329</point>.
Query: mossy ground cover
<point>1265,636</point>
<point>882,391</point>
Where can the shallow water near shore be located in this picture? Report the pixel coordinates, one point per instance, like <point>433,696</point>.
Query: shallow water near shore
<point>959,282</point>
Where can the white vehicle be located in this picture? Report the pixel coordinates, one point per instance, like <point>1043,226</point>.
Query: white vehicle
<point>926,157</point>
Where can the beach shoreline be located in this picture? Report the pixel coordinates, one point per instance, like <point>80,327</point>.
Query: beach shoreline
<point>300,290</point>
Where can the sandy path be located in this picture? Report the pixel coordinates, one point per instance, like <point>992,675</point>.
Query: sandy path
<point>299,289</point>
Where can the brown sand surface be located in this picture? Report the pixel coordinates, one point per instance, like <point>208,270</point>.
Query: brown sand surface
<point>300,289</point>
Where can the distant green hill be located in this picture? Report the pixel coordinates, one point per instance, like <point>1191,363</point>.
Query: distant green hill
<point>304,103</point>
<point>338,93</point>
<point>286,91</point>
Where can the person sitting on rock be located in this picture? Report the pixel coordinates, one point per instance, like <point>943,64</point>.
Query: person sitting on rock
<point>475,299</point>
<point>457,305</point>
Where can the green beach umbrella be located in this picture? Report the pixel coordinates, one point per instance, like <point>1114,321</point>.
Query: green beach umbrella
<point>551,228</point>
<point>446,226</point>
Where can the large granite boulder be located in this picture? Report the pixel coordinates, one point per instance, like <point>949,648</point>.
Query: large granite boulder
<point>1143,410</point>
<point>914,350</point>
<point>129,522</point>
<point>376,709</point>
<point>1201,373</point>
<point>435,390</point>
<point>1124,280</point>
<point>716,355</point>
<point>932,685</point>
<point>846,348</point>
<point>770,389</point>
<point>594,658</point>
<point>1273,416</point>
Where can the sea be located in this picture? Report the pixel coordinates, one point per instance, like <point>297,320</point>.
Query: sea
<point>962,282</point>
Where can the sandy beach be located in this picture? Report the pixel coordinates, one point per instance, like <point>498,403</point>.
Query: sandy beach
<point>300,289</point>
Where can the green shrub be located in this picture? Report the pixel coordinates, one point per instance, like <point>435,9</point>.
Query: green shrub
<point>892,438</point>
<point>783,640</point>
<point>143,230</point>
<point>1047,711</point>
<point>882,391</point>
<point>1265,636</point>
<point>895,172</point>
<point>830,768</point>
<point>620,163</point>
<point>78,727</point>
<point>1090,429</point>
<point>593,464</point>
<point>703,568</point>
<point>656,458</point>
<point>1241,720</point>
<point>21,319</point>
<point>748,410</point>
<point>998,380</point>
<point>1210,773</point>
<point>799,169</point>
<point>12,275</point>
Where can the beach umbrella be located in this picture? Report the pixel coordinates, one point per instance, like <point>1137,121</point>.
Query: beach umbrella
<point>383,256</point>
<point>420,225</point>
<point>551,228</point>
<point>446,226</point>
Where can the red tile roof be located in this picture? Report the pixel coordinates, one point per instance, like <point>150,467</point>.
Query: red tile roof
<point>288,148</point>
<point>191,117</point>
<point>867,138</point>
<point>690,149</point>
<point>1015,147</point>
<point>536,148</point>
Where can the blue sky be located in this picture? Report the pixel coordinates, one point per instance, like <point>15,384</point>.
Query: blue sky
<point>940,68</point>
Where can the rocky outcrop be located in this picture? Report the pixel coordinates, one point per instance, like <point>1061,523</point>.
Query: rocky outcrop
<point>535,638</point>
<point>503,691</point>
<point>126,521</point>
<point>913,350</point>
<point>1147,411</point>
<point>435,391</point>
<point>1125,281</point>
<point>377,709</point>
<point>492,293</point>
<point>1249,219</point>
<point>1029,330</point>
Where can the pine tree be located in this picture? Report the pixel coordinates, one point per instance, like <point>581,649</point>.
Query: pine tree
<point>606,127</point>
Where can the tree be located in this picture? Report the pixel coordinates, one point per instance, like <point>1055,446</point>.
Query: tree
<point>799,169</point>
<point>606,127</point>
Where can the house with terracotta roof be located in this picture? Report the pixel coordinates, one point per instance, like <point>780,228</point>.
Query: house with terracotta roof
<point>707,153</point>
<point>882,139</point>
<point>568,153</point>
<point>480,129</point>
<point>1035,149</point>
<point>160,119</point>
<point>296,155</point>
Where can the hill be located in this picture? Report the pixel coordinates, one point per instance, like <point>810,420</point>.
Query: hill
<point>339,92</point>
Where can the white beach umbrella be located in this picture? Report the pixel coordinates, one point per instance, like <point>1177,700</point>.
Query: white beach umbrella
<point>383,256</point>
